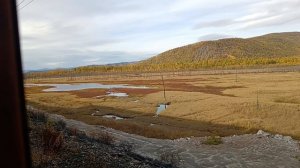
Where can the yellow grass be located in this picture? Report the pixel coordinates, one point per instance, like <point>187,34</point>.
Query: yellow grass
<point>277,108</point>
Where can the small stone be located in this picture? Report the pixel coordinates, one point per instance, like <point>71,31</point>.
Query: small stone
<point>277,136</point>
<point>263,133</point>
<point>287,138</point>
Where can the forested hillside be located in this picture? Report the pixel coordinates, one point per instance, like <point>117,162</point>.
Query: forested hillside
<point>275,49</point>
<point>270,45</point>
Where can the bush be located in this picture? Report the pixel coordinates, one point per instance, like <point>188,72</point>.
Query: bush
<point>106,138</point>
<point>103,137</point>
<point>72,131</point>
<point>52,140</point>
<point>37,116</point>
<point>60,125</point>
<point>213,140</point>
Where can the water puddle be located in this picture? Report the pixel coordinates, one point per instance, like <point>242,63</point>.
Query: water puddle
<point>93,114</point>
<point>109,116</point>
<point>112,117</point>
<point>117,94</point>
<point>161,108</point>
<point>81,86</point>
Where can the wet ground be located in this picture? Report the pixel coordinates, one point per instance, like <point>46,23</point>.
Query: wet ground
<point>82,86</point>
<point>161,108</point>
<point>201,105</point>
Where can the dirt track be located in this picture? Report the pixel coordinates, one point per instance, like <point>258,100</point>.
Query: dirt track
<point>250,150</point>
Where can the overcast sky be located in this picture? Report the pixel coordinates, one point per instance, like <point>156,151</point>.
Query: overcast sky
<point>69,33</point>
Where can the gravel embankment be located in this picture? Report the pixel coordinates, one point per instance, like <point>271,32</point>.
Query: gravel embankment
<point>251,150</point>
<point>79,150</point>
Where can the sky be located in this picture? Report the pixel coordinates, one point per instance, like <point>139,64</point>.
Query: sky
<point>70,33</point>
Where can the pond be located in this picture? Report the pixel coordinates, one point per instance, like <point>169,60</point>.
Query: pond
<point>113,117</point>
<point>115,94</point>
<point>81,86</point>
<point>161,108</point>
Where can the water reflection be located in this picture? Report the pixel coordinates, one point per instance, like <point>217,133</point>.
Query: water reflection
<point>80,86</point>
<point>161,108</point>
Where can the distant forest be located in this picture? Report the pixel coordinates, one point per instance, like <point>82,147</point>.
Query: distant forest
<point>169,66</point>
<point>272,49</point>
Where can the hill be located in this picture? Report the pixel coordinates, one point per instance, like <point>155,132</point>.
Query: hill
<point>270,45</point>
<point>271,49</point>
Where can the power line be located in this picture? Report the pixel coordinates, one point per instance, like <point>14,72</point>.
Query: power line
<point>26,5</point>
<point>20,3</point>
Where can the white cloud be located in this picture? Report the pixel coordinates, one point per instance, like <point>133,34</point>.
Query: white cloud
<point>214,37</point>
<point>259,14</point>
<point>70,33</point>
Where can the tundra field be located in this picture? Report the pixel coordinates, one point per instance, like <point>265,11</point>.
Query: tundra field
<point>199,105</point>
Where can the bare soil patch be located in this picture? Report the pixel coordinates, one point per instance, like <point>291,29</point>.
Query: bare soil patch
<point>89,93</point>
<point>135,92</point>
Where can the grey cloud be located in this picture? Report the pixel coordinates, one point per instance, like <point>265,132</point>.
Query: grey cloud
<point>75,32</point>
<point>213,37</point>
<point>62,35</point>
<point>40,59</point>
<point>269,13</point>
<point>61,31</point>
<point>216,23</point>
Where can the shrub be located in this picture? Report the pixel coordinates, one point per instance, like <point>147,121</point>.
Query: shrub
<point>37,116</point>
<point>60,125</point>
<point>106,138</point>
<point>103,137</point>
<point>50,123</point>
<point>213,140</point>
<point>52,140</point>
<point>72,131</point>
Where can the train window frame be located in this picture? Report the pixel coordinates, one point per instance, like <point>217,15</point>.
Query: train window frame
<point>14,141</point>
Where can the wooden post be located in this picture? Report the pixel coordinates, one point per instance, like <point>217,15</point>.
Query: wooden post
<point>235,75</point>
<point>257,102</point>
<point>162,78</point>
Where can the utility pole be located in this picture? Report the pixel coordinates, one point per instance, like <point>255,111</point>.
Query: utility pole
<point>257,102</point>
<point>236,75</point>
<point>162,78</point>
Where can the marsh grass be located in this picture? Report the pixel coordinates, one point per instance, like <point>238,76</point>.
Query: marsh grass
<point>164,127</point>
<point>292,100</point>
<point>272,117</point>
<point>216,108</point>
<point>213,140</point>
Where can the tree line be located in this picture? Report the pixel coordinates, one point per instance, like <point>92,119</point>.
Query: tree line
<point>169,66</point>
